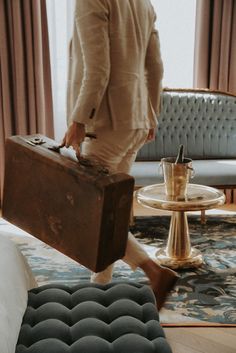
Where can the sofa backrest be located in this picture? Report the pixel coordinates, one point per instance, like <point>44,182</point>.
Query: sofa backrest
<point>202,120</point>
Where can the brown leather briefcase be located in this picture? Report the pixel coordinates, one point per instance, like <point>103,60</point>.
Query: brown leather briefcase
<point>78,208</point>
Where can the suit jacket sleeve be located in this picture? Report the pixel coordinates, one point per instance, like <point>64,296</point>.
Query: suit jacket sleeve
<point>154,70</point>
<point>92,26</point>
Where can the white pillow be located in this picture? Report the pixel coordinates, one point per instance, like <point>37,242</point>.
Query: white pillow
<point>16,279</point>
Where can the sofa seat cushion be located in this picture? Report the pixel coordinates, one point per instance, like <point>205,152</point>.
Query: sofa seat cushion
<point>213,172</point>
<point>92,318</point>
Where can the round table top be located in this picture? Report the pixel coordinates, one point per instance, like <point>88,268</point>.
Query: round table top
<point>199,197</point>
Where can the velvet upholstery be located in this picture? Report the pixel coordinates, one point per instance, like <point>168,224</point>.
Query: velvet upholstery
<point>211,172</point>
<point>205,123</point>
<point>92,318</point>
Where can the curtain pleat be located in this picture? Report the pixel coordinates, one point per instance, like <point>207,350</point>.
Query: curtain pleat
<point>25,76</point>
<point>232,70</point>
<point>215,48</point>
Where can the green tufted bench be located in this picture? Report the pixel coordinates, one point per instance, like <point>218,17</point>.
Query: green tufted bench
<point>205,123</point>
<point>92,318</point>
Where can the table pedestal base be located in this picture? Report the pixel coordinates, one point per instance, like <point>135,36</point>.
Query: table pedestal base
<point>194,261</point>
<point>178,252</point>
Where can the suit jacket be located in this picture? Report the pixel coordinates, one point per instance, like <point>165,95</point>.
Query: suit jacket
<point>115,66</point>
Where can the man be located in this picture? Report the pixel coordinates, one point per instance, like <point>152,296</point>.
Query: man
<point>114,86</point>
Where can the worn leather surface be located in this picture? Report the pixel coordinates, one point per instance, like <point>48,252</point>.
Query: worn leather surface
<point>92,318</point>
<point>80,210</point>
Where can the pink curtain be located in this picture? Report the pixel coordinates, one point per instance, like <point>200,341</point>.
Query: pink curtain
<point>25,77</point>
<point>215,45</point>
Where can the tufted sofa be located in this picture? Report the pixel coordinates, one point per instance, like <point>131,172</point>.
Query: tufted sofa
<point>205,123</point>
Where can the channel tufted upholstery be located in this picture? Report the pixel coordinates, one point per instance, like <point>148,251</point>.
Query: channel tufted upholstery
<point>205,123</point>
<point>92,318</point>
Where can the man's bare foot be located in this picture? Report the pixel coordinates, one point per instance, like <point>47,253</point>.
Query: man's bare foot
<point>162,280</point>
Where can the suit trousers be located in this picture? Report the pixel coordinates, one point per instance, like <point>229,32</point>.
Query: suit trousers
<point>117,151</point>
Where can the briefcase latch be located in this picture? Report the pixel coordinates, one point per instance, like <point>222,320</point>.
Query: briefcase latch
<point>36,141</point>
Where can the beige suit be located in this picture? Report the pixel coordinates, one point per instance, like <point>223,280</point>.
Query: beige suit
<point>114,86</point>
<point>115,66</point>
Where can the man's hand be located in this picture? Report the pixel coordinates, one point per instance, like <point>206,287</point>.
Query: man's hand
<point>74,137</point>
<point>151,135</point>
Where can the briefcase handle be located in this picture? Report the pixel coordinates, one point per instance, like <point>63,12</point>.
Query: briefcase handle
<point>83,161</point>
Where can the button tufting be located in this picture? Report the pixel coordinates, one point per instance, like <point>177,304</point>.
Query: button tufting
<point>204,111</point>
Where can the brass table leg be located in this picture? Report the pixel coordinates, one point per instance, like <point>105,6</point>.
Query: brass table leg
<point>178,252</point>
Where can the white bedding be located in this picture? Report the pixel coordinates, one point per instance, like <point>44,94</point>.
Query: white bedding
<point>16,279</point>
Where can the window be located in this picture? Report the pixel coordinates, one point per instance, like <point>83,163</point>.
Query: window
<point>176,26</point>
<point>60,22</point>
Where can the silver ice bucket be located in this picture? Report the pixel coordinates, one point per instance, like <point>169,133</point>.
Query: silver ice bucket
<point>176,176</point>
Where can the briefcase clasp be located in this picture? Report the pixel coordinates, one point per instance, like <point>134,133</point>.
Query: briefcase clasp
<point>36,141</point>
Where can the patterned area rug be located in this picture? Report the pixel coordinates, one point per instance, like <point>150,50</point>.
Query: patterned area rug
<point>204,296</point>
<point>208,293</point>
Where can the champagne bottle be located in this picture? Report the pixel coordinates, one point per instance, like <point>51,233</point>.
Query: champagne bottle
<point>180,156</point>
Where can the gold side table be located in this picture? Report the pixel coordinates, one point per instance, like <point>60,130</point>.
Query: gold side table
<point>179,253</point>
